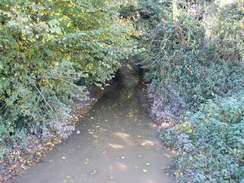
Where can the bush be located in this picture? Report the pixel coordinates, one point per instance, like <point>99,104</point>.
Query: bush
<point>184,66</point>
<point>227,32</point>
<point>48,46</point>
<point>193,62</point>
<point>210,142</point>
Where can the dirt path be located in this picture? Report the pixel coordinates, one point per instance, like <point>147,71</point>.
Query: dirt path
<point>115,143</point>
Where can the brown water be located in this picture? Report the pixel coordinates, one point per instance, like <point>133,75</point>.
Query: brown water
<point>115,143</point>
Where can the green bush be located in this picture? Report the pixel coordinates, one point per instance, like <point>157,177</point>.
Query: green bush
<point>48,46</point>
<point>227,32</point>
<point>180,66</point>
<point>193,62</point>
<point>183,64</point>
<point>210,142</point>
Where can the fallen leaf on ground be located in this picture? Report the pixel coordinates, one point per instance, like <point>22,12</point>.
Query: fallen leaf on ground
<point>93,172</point>
<point>144,170</point>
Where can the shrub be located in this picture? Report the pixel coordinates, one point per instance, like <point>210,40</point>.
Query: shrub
<point>195,73</point>
<point>185,68</point>
<point>48,46</point>
<point>227,32</point>
<point>210,142</point>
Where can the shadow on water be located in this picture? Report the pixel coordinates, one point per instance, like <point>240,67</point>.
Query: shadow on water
<point>115,142</point>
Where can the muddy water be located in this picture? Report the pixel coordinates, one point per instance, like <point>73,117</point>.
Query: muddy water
<point>115,143</point>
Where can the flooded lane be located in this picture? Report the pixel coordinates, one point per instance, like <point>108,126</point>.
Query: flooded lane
<point>116,142</point>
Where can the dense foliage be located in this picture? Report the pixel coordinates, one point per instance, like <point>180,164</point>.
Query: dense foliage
<point>51,50</point>
<point>193,62</point>
<point>210,142</point>
<point>189,67</point>
<point>46,47</point>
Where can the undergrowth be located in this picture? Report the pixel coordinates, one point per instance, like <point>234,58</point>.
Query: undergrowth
<point>193,63</point>
<point>50,52</point>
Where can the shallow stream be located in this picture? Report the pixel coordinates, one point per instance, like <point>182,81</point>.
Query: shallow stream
<point>115,143</point>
